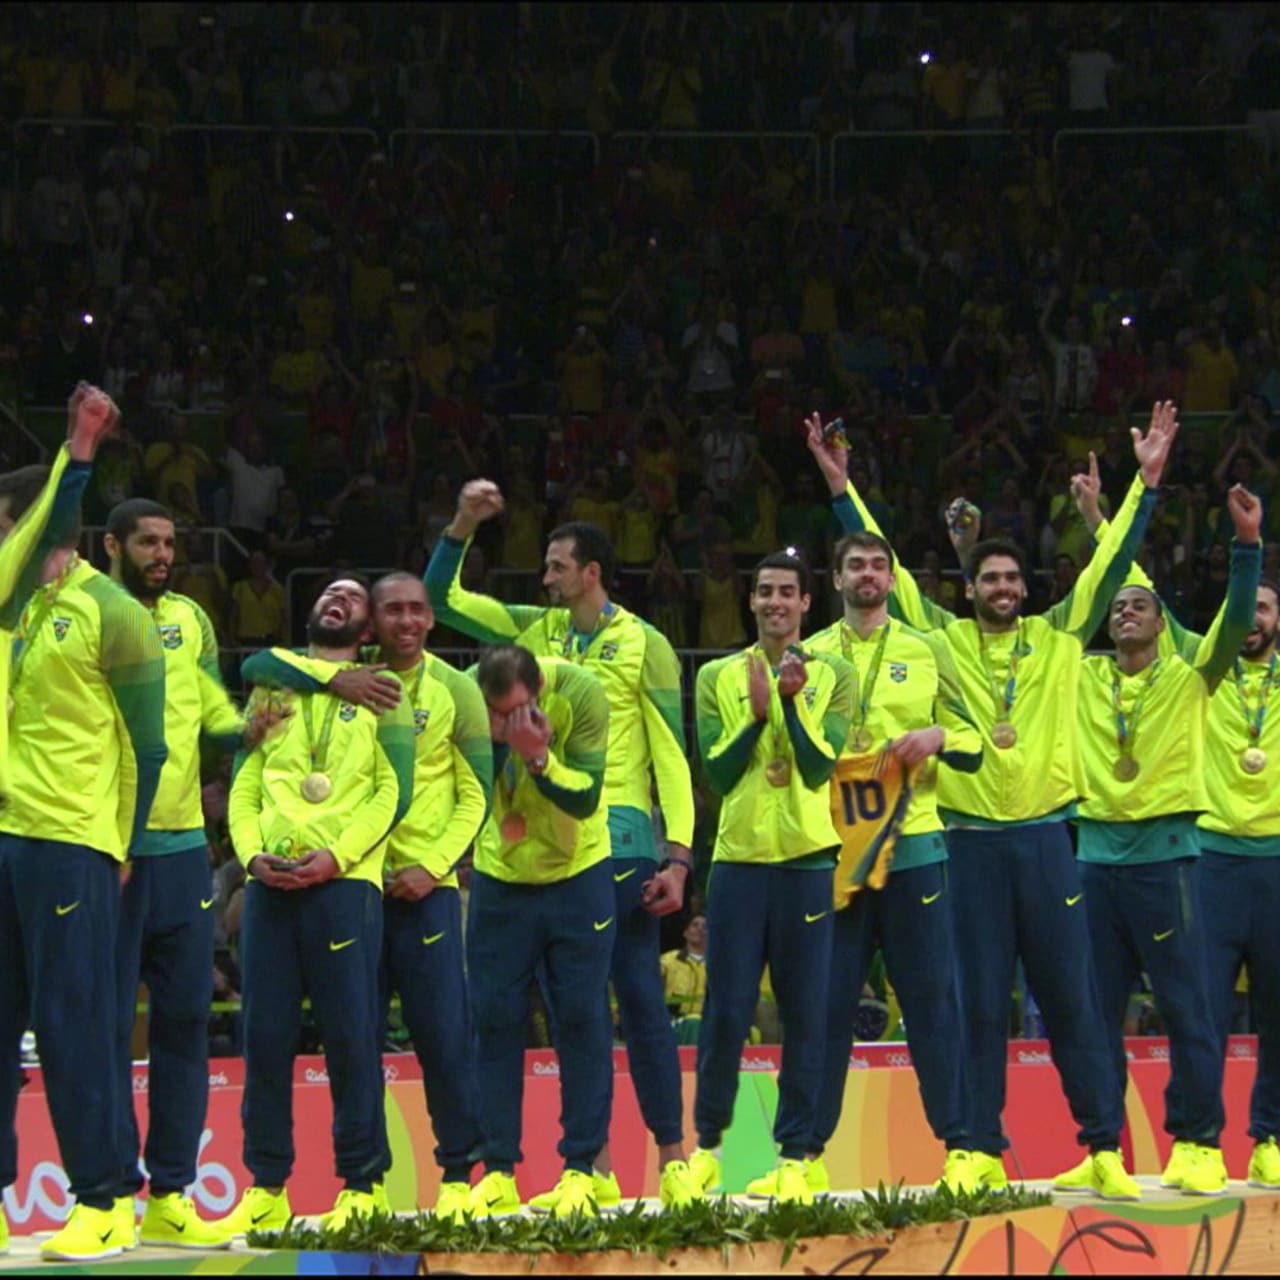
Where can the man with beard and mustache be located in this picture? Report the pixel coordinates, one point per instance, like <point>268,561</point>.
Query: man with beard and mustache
<point>1142,721</point>
<point>1014,879</point>
<point>910,713</point>
<point>166,922</point>
<point>453,786</point>
<point>309,813</point>
<point>1239,865</point>
<point>641,676</point>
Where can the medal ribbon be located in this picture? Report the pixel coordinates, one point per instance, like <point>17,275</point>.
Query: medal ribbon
<point>1003,700</point>
<point>1254,719</point>
<point>873,673</point>
<point>34,619</point>
<point>319,750</point>
<point>573,648</point>
<point>1127,725</point>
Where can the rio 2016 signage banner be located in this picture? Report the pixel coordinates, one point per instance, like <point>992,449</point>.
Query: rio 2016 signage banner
<point>882,1136</point>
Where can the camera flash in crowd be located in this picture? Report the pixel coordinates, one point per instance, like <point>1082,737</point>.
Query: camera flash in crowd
<point>1126,321</point>
<point>925,58</point>
<point>288,215</point>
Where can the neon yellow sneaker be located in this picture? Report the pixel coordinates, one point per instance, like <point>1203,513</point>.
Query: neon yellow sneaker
<point>605,1189</point>
<point>959,1175</point>
<point>988,1171</point>
<point>1176,1169</point>
<point>1076,1180</point>
<point>793,1186</point>
<point>1111,1180</point>
<point>258,1210</point>
<point>126,1221</point>
<point>453,1202</point>
<point>347,1207</point>
<point>678,1186</point>
<point>4,1234</point>
<point>495,1196</point>
<point>89,1234</point>
<point>1206,1173</point>
<point>705,1168</point>
<point>815,1174</point>
<point>575,1193</point>
<point>1264,1165</point>
<point>380,1198</point>
<point>172,1222</point>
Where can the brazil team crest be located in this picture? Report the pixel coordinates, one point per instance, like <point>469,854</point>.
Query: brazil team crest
<point>608,652</point>
<point>60,628</point>
<point>346,712</point>
<point>898,672</point>
<point>171,635</point>
<point>420,717</point>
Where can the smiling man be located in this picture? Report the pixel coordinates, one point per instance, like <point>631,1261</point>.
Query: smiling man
<point>542,895</point>
<point>1015,882</point>
<point>310,809</point>
<point>641,677</point>
<point>422,950</point>
<point>166,919</point>
<point>772,721</point>
<point>1142,728</point>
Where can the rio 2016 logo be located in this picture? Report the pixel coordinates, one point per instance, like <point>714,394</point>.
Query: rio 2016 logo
<point>48,1193</point>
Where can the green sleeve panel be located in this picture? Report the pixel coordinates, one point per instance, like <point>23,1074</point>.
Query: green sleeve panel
<point>815,760</point>
<point>726,754</point>
<point>963,747</point>
<point>574,777</point>
<point>909,603</point>
<point>664,726</point>
<point>220,721</point>
<point>1222,642</point>
<point>479,616</point>
<point>133,664</point>
<point>244,807</point>
<point>393,789</point>
<point>43,527</point>
<point>280,668</point>
<point>818,748</point>
<point>1085,606</point>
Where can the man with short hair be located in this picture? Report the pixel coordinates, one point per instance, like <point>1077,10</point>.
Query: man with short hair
<point>166,919</point>
<point>772,721</point>
<point>1013,873</point>
<point>1142,729</point>
<point>542,894</point>
<point>84,758</point>
<point>422,949</point>
<point>911,720</point>
<point>641,677</point>
<point>309,813</point>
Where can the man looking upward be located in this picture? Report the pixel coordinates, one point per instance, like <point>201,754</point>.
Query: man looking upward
<point>422,949</point>
<point>310,809</point>
<point>772,721</point>
<point>85,754</point>
<point>641,676</point>
<point>1013,872</point>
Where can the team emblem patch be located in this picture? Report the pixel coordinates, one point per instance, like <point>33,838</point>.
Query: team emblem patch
<point>171,635</point>
<point>60,628</point>
<point>810,693</point>
<point>346,712</point>
<point>608,652</point>
<point>897,672</point>
<point>420,718</point>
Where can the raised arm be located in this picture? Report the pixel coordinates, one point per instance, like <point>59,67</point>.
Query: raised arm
<point>479,616</point>
<point>1222,642</point>
<point>832,456</point>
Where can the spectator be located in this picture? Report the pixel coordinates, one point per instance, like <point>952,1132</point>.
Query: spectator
<point>255,486</point>
<point>258,614</point>
<point>1212,372</point>
<point>718,592</point>
<point>684,972</point>
<point>711,344</point>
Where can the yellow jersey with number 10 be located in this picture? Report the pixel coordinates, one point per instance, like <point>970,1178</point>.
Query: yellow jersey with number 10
<point>870,795</point>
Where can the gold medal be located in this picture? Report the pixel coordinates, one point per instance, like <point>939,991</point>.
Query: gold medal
<point>317,787</point>
<point>1127,768</point>
<point>1003,734</point>
<point>513,828</point>
<point>1254,760</point>
<point>778,772</point>
<point>861,739</point>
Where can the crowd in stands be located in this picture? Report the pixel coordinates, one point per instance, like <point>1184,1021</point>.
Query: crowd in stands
<point>630,328</point>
